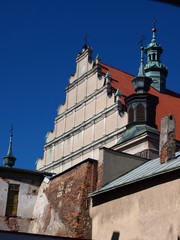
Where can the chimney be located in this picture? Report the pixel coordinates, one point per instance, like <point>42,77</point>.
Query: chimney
<point>167,145</point>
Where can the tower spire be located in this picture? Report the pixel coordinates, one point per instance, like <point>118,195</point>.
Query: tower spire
<point>9,159</point>
<point>141,68</point>
<point>10,143</point>
<point>154,31</point>
<point>141,83</point>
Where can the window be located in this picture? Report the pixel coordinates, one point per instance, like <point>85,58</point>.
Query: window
<point>140,114</point>
<point>131,114</point>
<point>12,200</point>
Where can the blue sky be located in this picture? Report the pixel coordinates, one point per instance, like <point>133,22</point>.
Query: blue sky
<point>39,41</point>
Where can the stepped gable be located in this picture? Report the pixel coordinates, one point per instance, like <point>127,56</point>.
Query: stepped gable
<point>169,102</point>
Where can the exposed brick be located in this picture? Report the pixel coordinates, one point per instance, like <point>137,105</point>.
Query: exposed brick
<point>67,195</point>
<point>169,148</point>
<point>100,176</point>
<point>17,224</point>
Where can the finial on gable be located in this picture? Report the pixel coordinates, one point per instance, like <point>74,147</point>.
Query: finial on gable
<point>107,81</point>
<point>117,97</point>
<point>97,59</point>
<point>108,76</point>
<point>85,46</point>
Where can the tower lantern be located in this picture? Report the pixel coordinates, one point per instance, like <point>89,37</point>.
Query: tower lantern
<point>154,68</point>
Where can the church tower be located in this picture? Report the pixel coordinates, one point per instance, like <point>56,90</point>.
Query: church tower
<point>141,106</point>
<point>154,68</point>
<point>141,137</point>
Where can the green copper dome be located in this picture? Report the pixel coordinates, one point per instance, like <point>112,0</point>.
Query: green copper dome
<point>154,68</point>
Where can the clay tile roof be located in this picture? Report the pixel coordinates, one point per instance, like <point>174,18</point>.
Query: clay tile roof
<point>168,102</point>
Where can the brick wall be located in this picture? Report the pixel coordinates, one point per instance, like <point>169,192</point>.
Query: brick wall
<point>67,196</point>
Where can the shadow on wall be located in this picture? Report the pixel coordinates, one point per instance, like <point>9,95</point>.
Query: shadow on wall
<point>116,236</point>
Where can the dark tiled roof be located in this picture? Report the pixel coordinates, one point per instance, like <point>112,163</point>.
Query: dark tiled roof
<point>26,171</point>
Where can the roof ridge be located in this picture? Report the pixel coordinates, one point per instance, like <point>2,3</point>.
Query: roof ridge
<point>173,94</point>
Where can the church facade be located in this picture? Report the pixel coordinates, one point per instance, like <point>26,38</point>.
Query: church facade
<point>95,114</point>
<point>113,149</point>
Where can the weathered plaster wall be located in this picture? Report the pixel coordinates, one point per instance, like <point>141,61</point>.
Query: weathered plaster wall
<point>62,207</point>
<point>151,214</point>
<point>28,190</point>
<point>3,196</point>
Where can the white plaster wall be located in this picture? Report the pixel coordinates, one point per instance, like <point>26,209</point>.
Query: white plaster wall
<point>81,91</point>
<point>111,123</point>
<point>67,146</point>
<point>135,148</point>
<point>101,102</point>
<point>99,129</point>
<point>3,196</point>
<point>69,121</point>
<point>50,136</point>
<point>26,200</point>
<point>87,136</point>
<point>72,96</point>
<point>26,197</point>
<point>77,141</point>
<point>90,109</point>
<point>91,85</point>
<point>66,165</point>
<point>79,116</point>
<point>122,121</point>
<point>60,127</point>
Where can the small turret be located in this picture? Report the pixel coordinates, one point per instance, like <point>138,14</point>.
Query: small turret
<point>9,159</point>
<point>141,107</point>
